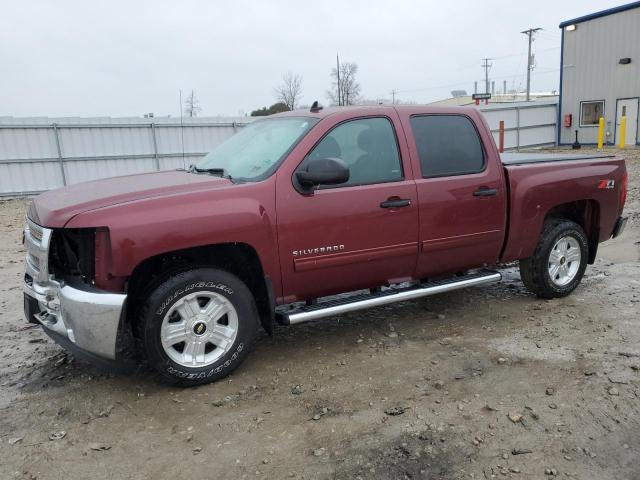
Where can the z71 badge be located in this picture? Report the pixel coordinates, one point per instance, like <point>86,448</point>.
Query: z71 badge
<point>607,184</point>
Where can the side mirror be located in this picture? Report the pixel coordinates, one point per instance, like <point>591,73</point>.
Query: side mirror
<point>322,171</point>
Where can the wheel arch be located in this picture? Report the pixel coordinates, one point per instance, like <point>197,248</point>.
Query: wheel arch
<point>585,213</point>
<point>240,259</point>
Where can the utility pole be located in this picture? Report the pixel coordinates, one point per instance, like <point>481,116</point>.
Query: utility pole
<point>529,33</point>
<point>393,97</point>
<point>338,76</point>
<point>486,65</point>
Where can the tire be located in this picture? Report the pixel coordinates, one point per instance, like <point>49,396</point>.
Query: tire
<point>557,265</point>
<point>197,326</point>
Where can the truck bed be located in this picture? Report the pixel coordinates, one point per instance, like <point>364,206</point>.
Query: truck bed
<point>526,158</point>
<point>539,182</point>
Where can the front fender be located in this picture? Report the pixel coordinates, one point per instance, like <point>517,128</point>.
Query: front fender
<point>145,228</point>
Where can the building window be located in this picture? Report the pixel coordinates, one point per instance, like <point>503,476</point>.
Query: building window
<point>590,113</point>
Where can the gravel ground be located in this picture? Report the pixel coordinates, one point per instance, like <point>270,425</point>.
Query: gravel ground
<point>480,383</point>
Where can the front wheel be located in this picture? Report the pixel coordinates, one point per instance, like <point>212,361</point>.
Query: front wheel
<point>198,326</point>
<point>556,267</point>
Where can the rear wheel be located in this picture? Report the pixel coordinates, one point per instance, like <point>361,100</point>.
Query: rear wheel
<point>198,326</point>
<point>556,267</point>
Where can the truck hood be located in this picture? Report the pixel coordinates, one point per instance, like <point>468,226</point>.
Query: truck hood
<point>55,208</point>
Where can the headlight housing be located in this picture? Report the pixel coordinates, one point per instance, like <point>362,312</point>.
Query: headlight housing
<point>72,254</point>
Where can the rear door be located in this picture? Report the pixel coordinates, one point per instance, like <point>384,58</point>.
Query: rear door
<point>461,193</point>
<point>360,234</point>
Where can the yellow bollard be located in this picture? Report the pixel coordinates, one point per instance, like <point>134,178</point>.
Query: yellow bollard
<point>601,133</point>
<point>623,130</point>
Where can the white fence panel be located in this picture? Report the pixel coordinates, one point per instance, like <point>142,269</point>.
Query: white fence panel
<point>100,141</point>
<point>29,177</point>
<point>18,143</point>
<point>526,124</point>
<point>85,170</point>
<point>39,154</point>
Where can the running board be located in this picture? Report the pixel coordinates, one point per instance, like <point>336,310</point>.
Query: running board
<point>359,302</point>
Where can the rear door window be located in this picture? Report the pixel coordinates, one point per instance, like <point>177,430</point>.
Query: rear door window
<point>447,145</point>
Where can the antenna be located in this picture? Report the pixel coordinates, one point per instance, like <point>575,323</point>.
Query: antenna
<point>338,78</point>
<point>182,131</point>
<point>316,107</point>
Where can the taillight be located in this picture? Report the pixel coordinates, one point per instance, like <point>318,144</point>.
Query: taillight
<point>623,190</point>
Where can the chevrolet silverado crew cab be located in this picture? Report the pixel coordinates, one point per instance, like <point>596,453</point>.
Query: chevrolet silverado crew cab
<point>180,269</point>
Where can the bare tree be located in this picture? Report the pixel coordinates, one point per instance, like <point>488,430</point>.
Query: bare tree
<point>349,91</point>
<point>192,105</point>
<point>290,90</point>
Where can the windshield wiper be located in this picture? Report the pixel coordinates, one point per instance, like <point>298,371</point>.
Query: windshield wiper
<point>218,172</point>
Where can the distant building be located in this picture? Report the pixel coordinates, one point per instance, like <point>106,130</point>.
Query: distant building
<point>600,75</point>
<point>497,98</point>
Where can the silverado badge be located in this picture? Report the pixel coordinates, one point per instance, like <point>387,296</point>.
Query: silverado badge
<point>311,251</point>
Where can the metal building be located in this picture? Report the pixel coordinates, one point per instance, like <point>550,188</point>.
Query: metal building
<point>600,75</point>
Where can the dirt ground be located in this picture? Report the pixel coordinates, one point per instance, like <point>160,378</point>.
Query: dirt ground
<point>479,383</point>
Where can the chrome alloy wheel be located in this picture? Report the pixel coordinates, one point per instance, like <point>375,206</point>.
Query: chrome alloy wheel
<point>199,328</point>
<point>564,260</point>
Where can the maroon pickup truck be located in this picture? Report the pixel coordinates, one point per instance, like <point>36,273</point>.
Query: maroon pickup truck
<point>180,269</point>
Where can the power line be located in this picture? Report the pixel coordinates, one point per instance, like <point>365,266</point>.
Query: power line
<point>435,87</point>
<point>523,54</point>
<point>530,33</point>
<point>550,35</point>
<point>470,67</point>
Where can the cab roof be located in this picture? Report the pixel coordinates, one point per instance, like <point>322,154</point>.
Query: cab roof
<point>374,110</point>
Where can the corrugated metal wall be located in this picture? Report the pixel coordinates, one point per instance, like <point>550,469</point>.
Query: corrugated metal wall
<point>590,70</point>
<point>38,154</point>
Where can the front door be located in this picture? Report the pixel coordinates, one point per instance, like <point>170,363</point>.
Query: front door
<point>627,107</point>
<point>360,234</point>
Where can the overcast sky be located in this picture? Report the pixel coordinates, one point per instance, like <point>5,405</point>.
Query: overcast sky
<point>126,58</point>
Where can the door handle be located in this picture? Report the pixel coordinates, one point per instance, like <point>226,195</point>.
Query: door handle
<point>485,192</point>
<point>395,202</point>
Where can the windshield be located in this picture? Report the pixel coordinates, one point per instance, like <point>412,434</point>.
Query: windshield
<point>255,152</point>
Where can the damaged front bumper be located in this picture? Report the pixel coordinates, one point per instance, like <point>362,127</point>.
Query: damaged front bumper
<point>79,317</point>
